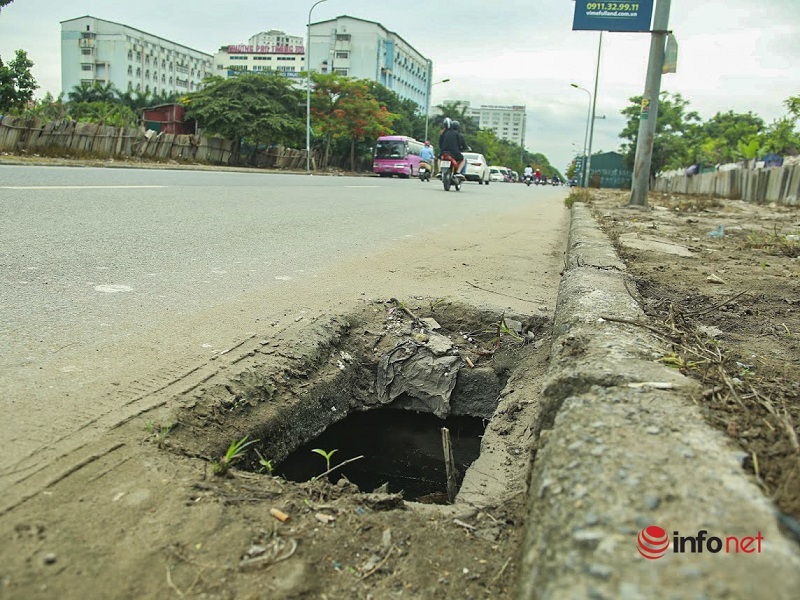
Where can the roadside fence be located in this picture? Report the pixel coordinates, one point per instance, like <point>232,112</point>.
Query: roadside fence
<point>70,138</point>
<point>760,186</point>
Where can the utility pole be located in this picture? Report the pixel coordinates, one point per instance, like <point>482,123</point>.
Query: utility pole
<point>649,112</point>
<point>587,177</point>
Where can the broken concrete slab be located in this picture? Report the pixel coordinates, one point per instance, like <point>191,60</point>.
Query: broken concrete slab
<point>653,244</point>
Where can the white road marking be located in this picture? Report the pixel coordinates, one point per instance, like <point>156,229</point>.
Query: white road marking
<point>79,187</point>
<point>113,288</point>
<point>362,186</point>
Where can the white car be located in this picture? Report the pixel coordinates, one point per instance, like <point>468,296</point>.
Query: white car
<point>477,169</point>
<point>495,174</point>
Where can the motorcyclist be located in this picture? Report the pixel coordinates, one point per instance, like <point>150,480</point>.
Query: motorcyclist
<point>452,141</point>
<point>537,176</point>
<point>426,155</point>
<point>528,174</point>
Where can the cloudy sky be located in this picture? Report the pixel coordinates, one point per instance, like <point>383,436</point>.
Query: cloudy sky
<point>734,54</point>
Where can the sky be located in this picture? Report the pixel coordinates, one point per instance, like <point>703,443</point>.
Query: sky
<point>733,54</point>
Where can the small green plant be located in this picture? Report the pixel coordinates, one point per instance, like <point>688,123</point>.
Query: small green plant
<point>158,433</point>
<point>266,465</point>
<point>676,361</point>
<point>326,456</point>
<point>236,452</point>
<point>437,302</point>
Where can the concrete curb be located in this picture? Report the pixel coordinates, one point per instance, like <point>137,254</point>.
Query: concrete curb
<point>622,447</point>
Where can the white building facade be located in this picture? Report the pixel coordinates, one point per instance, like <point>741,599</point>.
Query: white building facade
<point>367,50</point>
<point>507,122</point>
<point>266,51</point>
<point>97,51</point>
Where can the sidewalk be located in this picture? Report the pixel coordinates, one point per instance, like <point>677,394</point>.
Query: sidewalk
<point>623,446</point>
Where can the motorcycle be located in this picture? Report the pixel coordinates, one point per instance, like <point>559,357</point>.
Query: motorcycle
<point>424,171</point>
<point>527,179</point>
<point>449,177</point>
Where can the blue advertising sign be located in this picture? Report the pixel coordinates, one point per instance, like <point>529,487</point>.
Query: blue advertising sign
<point>613,16</point>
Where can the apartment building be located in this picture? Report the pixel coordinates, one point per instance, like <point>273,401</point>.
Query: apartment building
<point>266,51</point>
<point>367,50</point>
<point>98,51</point>
<point>507,122</point>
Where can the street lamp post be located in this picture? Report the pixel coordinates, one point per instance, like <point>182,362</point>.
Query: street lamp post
<point>586,134</point>
<point>428,106</point>
<point>594,106</point>
<point>308,86</point>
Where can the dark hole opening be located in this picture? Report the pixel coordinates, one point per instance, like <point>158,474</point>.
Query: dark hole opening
<point>401,448</point>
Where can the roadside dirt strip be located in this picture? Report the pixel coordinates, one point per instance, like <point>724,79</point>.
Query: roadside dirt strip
<point>632,494</point>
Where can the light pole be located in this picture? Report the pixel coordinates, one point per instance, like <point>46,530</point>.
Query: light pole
<point>428,106</point>
<point>308,86</point>
<point>594,105</point>
<point>586,134</point>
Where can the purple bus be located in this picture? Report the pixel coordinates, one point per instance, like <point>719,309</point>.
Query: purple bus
<point>396,155</point>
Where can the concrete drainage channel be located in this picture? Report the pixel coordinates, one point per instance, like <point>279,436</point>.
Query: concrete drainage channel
<point>380,384</point>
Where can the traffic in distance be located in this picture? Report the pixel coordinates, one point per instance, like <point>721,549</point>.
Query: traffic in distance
<point>399,155</point>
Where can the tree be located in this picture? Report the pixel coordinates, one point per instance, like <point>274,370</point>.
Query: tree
<point>93,92</point>
<point>345,109</point>
<point>728,137</point>
<point>115,114</point>
<point>674,137</point>
<point>4,3</point>
<point>256,107</point>
<point>16,83</point>
<point>410,121</point>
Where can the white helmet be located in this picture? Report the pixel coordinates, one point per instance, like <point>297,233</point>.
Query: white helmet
<point>447,123</point>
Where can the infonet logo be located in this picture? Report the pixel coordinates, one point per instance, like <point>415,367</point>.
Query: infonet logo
<point>653,543</point>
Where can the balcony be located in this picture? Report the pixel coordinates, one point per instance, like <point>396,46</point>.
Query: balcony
<point>86,43</point>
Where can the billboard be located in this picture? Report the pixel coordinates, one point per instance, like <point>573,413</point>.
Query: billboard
<point>613,16</point>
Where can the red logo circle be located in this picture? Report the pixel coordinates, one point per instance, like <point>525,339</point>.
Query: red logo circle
<point>652,542</point>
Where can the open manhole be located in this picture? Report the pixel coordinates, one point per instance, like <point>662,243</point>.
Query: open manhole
<point>400,448</point>
<point>379,384</point>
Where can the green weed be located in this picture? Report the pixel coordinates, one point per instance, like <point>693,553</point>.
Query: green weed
<point>236,451</point>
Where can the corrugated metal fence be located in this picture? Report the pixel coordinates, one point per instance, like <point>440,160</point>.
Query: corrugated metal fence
<point>776,184</point>
<point>89,139</point>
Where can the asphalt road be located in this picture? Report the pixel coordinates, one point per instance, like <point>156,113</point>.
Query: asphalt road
<point>114,280</point>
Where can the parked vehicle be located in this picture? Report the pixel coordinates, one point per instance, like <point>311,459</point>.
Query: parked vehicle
<point>476,168</point>
<point>555,180</point>
<point>573,182</point>
<point>449,177</point>
<point>425,171</point>
<point>495,174</point>
<point>506,174</point>
<point>514,176</point>
<point>396,155</point>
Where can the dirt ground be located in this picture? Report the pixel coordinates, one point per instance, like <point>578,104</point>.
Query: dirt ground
<point>720,280</point>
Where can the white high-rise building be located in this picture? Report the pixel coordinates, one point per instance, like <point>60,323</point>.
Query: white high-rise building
<point>507,122</point>
<point>367,50</point>
<point>266,51</point>
<point>97,51</point>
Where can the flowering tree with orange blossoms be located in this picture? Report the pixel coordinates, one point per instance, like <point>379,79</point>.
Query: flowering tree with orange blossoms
<point>344,109</point>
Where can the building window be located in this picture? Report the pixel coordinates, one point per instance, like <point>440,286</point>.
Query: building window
<point>130,70</point>
<point>340,71</point>
<point>342,54</point>
<point>86,67</point>
<point>342,37</point>
<point>86,51</point>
